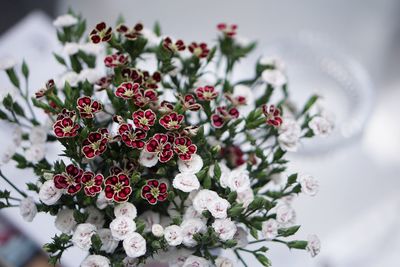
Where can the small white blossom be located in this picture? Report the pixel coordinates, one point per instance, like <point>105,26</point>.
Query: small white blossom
<point>7,154</point>
<point>7,63</point>
<point>134,245</point>
<point>225,229</point>
<point>130,262</point>
<point>71,48</point>
<point>28,209</point>
<point>65,221</point>
<point>157,230</point>
<point>82,237</point>
<point>203,199</point>
<point>17,135</point>
<point>122,226</point>
<point>190,228</point>
<point>192,166</point>
<point>35,153</point>
<point>275,78</point>
<point>270,229</point>
<point>49,194</point>
<point>95,261</point>
<point>186,182</point>
<point>95,217</point>
<point>173,235</point>
<point>223,262</point>
<point>219,208</point>
<point>71,77</point>
<point>190,212</point>
<point>108,243</point>
<point>92,49</point>
<point>150,217</point>
<point>239,180</point>
<point>148,159</point>
<point>289,135</point>
<point>91,75</point>
<point>241,237</point>
<point>274,62</point>
<point>321,126</point>
<point>66,20</point>
<point>245,197</point>
<point>285,215</point>
<point>102,202</point>
<point>313,245</point>
<point>38,135</point>
<point>125,209</point>
<point>194,261</point>
<point>309,185</point>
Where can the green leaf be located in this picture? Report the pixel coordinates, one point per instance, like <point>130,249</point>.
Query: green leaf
<point>96,243</point>
<point>217,171</point>
<point>235,210</point>
<point>60,59</point>
<point>292,179</point>
<point>25,69</point>
<point>80,217</point>
<point>309,104</point>
<point>297,244</point>
<point>13,77</point>
<point>285,232</point>
<point>278,154</point>
<point>254,232</point>
<point>157,29</point>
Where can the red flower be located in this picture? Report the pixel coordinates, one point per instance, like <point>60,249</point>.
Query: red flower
<point>206,93</point>
<point>223,115</point>
<point>92,183</point>
<point>65,125</point>
<point>234,155</point>
<point>179,45</point>
<point>184,148</point>
<point>154,191</point>
<point>117,187</point>
<point>217,121</point>
<point>65,113</point>
<point>236,101</point>
<point>166,107</point>
<point>199,50</point>
<point>70,179</point>
<point>127,90</point>
<point>189,102</point>
<point>132,138</point>
<point>42,92</point>
<point>171,121</point>
<point>190,130</point>
<point>131,74</point>
<point>100,33</point>
<point>131,34</point>
<point>104,82</point>
<point>116,60</point>
<point>95,144</point>
<point>228,30</point>
<point>144,97</point>
<point>151,81</point>
<point>144,118</point>
<point>273,115</point>
<point>87,107</point>
<point>160,145</point>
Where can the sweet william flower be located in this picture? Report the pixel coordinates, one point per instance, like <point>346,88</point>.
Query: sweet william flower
<point>125,209</point>
<point>184,148</point>
<point>121,227</point>
<point>65,221</point>
<point>130,34</point>
<point>190,228</point>
<point>174,47</point>
<point>270,229</point>
<point>160,145</point>
<point>241,237</point>
<point>199,50</point>
<point>144,119</point>
<point>157,230</point>
<point>28,209</point>
<point>115,60</point>
<point>321,126</point>
<point>239,180</point>
<point>245,197</point>
<point>154,191</point>
<point>203,198</point>
<point>92,184</point>
<point>285,215</point>
<point>70,179</point>
<point>134,245</point>
<point>206,93</point>
<point>117,187</point>
<point>35,152</point>
<point>173,235</point>
<point>228,30</point>
<point>66,20</point>
<point>95,144</point>
<point>132,137</point>
<point>309,185</point>
<point>101,33</point>
<point>171,121</point>
<point>82,237</point>
<point>273,115</point>
<point>195,261</point>
<point>224,228</point>
<point>186,182</point>
<point>88,107</point>
<point>189,102</point>
<point>218,208</point>
<point>127,90</point>
<point>144,97</point>
<point>190,130</point>
<point>193,166</point>
<point>313,245</point>
<point>95,261</point>
<point>65,127</point>
<point>108,243</point>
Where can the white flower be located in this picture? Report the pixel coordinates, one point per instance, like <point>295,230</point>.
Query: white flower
<point>223,262</point>
<point>244,91</point>
<point>272,61</point>
<point>130,262</point>
<point>177,257</point>
<point>91,75</point>
<point>151,37</point>
<point>7,63</point>
<point>82,237</point>
<point>313,245</point>
<point>225,171</point>
<point>190,212</point>
<point>239,180</point>
<point>285,215</point>
<point>270,229</point>
<point>71,48</point>
<point>91,49</point>
<point>95,261</point>
<point>134,245</point>
<point>219,207</point>
<point>177,64</point>
<point>7,154</point>
<point>125,209</point>
<point>309,185</point>
<point>38,135</point>
<point>122,226</point>
<point>148,159</point>
<point>65,221</point>
<point>108,243</point>
<point>194,261</point>
<point>49,194</point>
<point>186,182</point>
<point>17,135</point>
<point>192,166</point>
<point>95,217</point>
<point>71,77</point>
<point>191,227</point>
<point>289,135</point>
<point>203,199</point>
<point>66,20</point>
<point>225,229</point>
<point>35,153</point>
<point>275,78</point>
<point>173,235</point>
<point>321,126</point>
<point>28,209</point>
<point>241,237</point>
<point>245,197</point>
<point>150,217</point>
<point>102,202</point>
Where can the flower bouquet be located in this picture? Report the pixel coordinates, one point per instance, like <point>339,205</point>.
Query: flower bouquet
<point>163,155</point>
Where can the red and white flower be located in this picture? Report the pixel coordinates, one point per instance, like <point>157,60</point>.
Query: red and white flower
<point>206,93</point>
<point>70,179</point>
<point>189,102</point>
<point>42,92</point>
<point>223,115</point>
<point>100,33</point>
<point>166,107</point>
<point>117,187</point>
<point>273,115</point>
<point>151,81</point>
<point>88,107</point>
<point>184,148</point>
<point>171,121</point>
<point>144,118</point>
<point>127,90</point>
<point>92,184</point>
<point>132,137</point>
<point>132,74</point>
<point>160,145</point>
<point>144,97</point>
<point>191,130</point>
<point>95,144</point>
<point>131,34</point>
<point>199,50</point>
<point>174,47</point>
<point>65,125</point>
<point>154,191</point>
<point>116,60</point>
<point>226,29</point>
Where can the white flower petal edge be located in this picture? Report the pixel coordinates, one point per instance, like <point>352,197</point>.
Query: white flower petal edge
<point>125,209</point>
<point>65,221</point>
<point>82,237</point>
<point>309,185</point>
<point>186,182</point>
<point>121,227</point>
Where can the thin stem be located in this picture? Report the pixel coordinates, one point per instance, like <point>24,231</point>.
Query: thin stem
<point>257,241</point>
<point>12,185</point>
<point>240,258</point>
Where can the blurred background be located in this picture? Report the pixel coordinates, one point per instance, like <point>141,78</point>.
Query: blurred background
<point>345,50</point>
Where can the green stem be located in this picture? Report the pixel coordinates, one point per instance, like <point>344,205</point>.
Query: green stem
<point>240,258</point>
<point>12,185</point>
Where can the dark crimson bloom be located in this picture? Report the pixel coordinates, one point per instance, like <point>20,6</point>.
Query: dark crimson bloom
<point>199,50</point>
<point>42,92</point>
<point>65,125</point>
<point>160,145</point>
<point>100,33</point>
<point>132,74</point>
<point>104,82</point>
<point>132,137</point>
<point>65,113</point>
<point>184,148</point>
<point>92,184</point>
<point>189,102</point>
<point>88,107</point>
<point>174,47</point>
<point>217,121</point>
<point>144,118</point>
<point>236,101</point>
<point>117,187</point>
<point>127,90</point>
<point>95,144</point>
<point>115,60</point>
<point>154,191</point>
<point>228,30</point>
<point>131,34</point>
<point>144,97</point>
<point>234,155</point>
<point>190,130</point>
<point>171,121</point>
<point>223,115</point>
<point>273,115</point>
<point>206,93</point>
<point>70,179</point>
<point>150,81</point>
<point>166,107</point>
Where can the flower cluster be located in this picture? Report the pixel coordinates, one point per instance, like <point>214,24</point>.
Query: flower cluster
<point>161,164</point>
